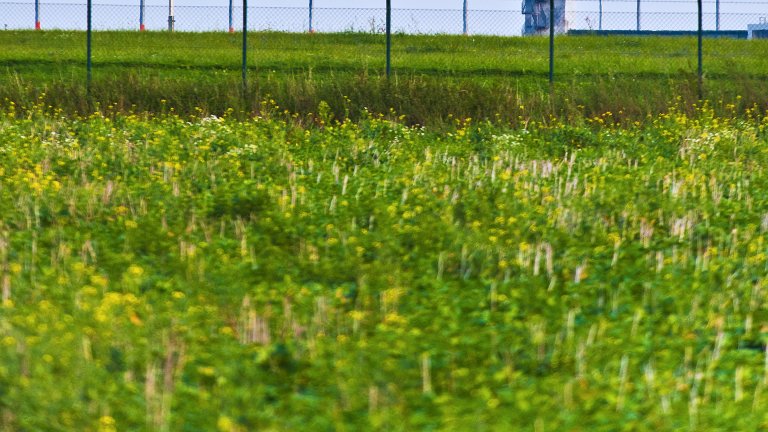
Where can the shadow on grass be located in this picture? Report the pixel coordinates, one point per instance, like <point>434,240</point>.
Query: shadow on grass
<point>48,67</point>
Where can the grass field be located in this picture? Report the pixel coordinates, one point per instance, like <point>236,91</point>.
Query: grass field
<point>169,273</point>
<point>478,77</point>
<point>354,253</point>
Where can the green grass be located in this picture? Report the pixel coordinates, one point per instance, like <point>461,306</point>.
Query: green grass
<point>434,76</point>
<point>575,261</point>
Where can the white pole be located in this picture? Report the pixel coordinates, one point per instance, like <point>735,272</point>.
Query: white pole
<point>171,19</point>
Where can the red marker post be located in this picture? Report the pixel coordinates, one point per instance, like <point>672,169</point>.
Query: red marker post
<point>37,15</point>
<point>141,15</point>
<point>231,27</point>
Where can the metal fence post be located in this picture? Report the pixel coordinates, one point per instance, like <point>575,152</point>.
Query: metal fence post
<point>231,26</point>
<point>700,50</point>
<point>638,15</point>
<point>600,16</point>
<point>141,15</point>
<point>717,15</point>
<point>37,14</point>
<point>245,50</point>
<point>465,19</point>
<point>88,62</point>
<point>311,24</point>
<point>171,19</point>
<point>551,41</point>
<point>389,37</point>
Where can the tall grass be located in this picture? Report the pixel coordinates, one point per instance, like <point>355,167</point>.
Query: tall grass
<point>435,77</point>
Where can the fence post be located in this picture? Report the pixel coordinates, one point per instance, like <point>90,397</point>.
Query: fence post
<point>244,70</point>
<point>389,37</point>
<point>638,15</point>
<point>600,16</point>
<point>171,19</point>
<point>37,15</point>
<point>311,24</point>
<point>141,15</point>
<point>88,62</point>
<point>231,26</point>
<point>700,51</point>
<point>717,15</point>
<point>551,41</point>
<point>465,19</point>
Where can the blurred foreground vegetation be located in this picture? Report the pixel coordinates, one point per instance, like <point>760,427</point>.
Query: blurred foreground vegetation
<point>196,273</point>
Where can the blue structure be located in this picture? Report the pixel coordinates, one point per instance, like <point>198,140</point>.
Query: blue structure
<point>537,17</point>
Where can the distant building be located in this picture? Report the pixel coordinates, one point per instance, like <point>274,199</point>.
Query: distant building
<point>537,17</point>
<point>758,31</point>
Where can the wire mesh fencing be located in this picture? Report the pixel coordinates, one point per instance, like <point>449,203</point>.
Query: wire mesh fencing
<point>584,15</point>
<point>578,60</point>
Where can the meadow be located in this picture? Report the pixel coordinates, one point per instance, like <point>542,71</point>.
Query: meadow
<point>459,247</point>
<point>480,77</point>
<point>171,272</point>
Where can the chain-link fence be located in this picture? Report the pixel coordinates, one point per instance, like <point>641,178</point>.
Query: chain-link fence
<point>591,15</point>
<point>275,62</point>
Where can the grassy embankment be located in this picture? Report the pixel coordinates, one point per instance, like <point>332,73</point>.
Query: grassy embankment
<point>434,76</point>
